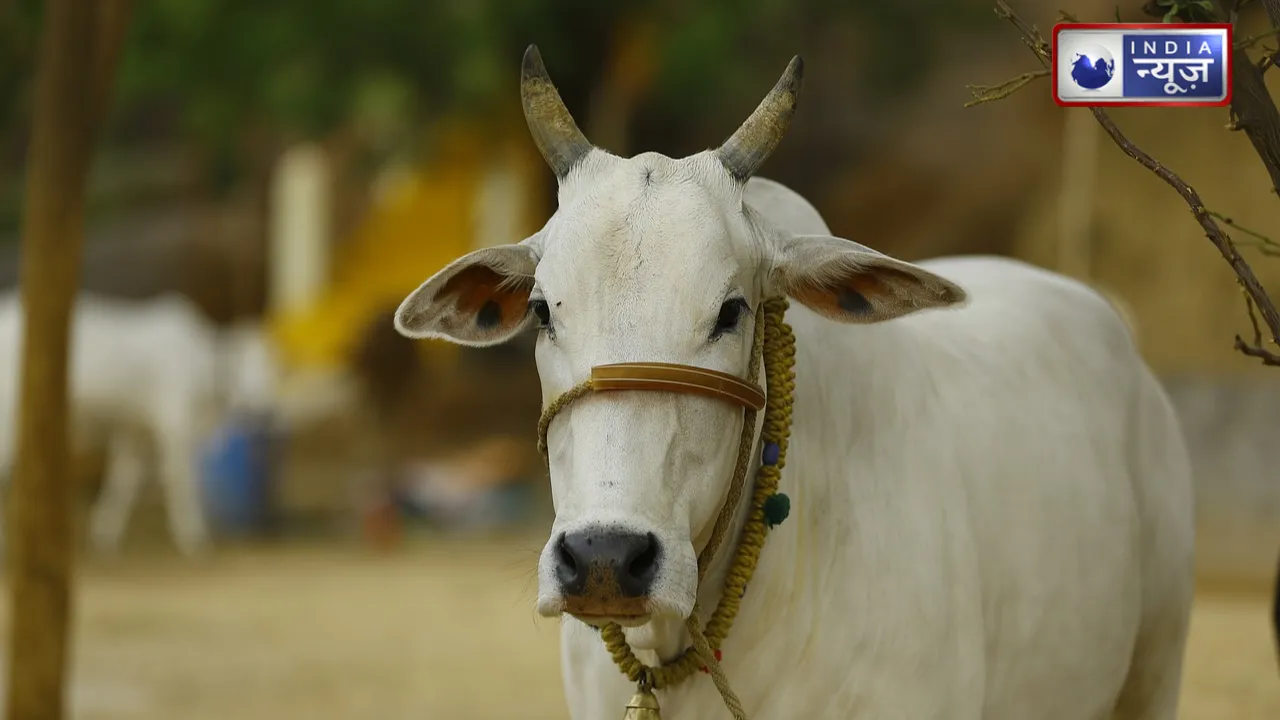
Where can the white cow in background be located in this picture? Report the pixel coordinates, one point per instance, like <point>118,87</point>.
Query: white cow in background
<point>149,379</point>
<point>991,506</point>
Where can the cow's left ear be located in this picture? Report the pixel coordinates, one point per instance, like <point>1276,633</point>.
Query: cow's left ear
<point>480,299</point>
<point>851,283</point>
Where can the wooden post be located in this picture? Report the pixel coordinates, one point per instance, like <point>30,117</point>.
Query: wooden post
<point>79,45</point>
<point>299,242</point>
<point>1078,194</point>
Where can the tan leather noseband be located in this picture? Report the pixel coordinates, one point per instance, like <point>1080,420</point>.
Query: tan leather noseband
<point>666,377</point>
<point>670,377</point>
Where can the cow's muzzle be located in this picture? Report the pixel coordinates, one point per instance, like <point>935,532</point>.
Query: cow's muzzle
<point>606,573</point>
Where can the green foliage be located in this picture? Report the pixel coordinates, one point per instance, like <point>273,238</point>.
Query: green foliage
<point>1194,11</point>
<point>706,61</point>
<point>303,68</point>
<point>291,63</point>
<point>307,65</point>
<point>18,21</point>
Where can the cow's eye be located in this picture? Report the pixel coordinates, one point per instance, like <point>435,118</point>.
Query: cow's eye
<point>539,308</point>
<point>730,313</point>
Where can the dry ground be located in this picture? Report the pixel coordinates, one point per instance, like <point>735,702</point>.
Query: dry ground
<point>446,631</point>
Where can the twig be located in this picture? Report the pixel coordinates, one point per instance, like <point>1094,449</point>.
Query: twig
<point>1031,37</point>
<point>1212,230</point>
<point>1260,246</point>
<point>1248,42</point>
<point>1264,244</point>
<point>1257,298</point>
<point>988,93</point>
<point>1255,350</point>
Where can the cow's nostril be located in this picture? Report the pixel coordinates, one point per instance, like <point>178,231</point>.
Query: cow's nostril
<point>565,556</point>
<point>643,564</point>
<point>567,567</point>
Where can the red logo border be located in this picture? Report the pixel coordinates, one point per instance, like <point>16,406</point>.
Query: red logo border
<point>1227,50</point>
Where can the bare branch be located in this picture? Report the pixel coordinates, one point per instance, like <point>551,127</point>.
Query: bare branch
<point>1031,37</point>
<point>1255,350</point>
<point>1253,117</point>
<point>988,93</point>
<point>1212,230</point>
<point>1255,113</point>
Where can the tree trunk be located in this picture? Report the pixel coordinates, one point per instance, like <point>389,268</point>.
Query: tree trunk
<point>72,87</point>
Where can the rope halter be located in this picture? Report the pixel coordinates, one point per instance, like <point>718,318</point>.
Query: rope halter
<point>774,345</point>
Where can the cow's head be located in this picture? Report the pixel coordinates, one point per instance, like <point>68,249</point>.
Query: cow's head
<point>648,259</point>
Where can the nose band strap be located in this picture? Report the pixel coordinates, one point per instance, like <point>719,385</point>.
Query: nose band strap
<point>666,377</point>
<point>669,377</point>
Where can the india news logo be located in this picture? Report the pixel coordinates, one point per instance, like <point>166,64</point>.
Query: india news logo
<point>1142,64</point>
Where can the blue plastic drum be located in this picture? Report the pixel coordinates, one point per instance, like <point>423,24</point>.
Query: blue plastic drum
<point>236,474</point>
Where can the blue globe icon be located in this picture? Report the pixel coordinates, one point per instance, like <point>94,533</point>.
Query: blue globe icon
<point>1092,67</point>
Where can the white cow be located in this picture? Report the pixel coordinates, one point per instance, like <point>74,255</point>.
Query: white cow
<point>991,497</point>
<point>144,380</point>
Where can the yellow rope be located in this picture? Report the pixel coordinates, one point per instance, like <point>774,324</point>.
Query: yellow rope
<point>554,408</point>
<point>708,653</point>
<point>774,344</point>
<point>742,463</point>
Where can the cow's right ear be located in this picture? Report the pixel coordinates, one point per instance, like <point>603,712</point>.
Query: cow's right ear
<point>480,299</point>
<point>851,283</point>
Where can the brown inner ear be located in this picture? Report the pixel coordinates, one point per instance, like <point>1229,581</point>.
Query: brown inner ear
<point>490,298</point>
<point>853,294</point>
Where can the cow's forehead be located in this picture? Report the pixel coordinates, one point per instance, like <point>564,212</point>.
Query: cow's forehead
<point>647,224</point>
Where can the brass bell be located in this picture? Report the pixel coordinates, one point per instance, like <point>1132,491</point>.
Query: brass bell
<point>642,706</point>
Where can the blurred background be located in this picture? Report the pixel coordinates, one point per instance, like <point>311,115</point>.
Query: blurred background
<point>294,168</point>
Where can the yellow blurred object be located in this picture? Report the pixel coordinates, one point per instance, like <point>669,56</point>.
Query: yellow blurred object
<point>424,219</point>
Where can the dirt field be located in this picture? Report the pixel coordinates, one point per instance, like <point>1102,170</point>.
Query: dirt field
<point>441,632</point>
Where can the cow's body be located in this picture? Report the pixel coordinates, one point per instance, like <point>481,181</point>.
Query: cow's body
<point>991,518</point>
<point>991,498</point>
<point>143,382</point>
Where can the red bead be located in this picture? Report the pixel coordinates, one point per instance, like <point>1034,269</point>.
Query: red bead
<point>716,652</point>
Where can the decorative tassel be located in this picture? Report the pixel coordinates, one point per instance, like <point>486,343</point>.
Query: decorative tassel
<point>643,706</point>
<point>776,509</point>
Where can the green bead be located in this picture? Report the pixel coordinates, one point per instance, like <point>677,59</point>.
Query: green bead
<point>776,509</point>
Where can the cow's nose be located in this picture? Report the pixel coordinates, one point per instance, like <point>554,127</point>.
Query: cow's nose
<point>591,561</point>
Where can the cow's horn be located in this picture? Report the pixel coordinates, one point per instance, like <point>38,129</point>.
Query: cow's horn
<point>748,148</point>
<point>555,133</point>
